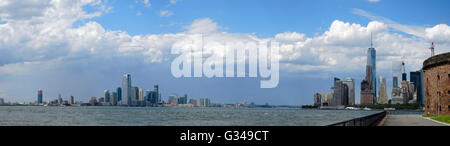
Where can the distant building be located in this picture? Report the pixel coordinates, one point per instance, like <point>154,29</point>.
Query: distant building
<point>317,99</point>
<point>134,94</point>
<point>101,100</point>
<point>382,98</point>
<point>194,102</point>
<point>183,99</point>
<point>2,101</point>
<point>60,100</point>
<point>141,94</point>
<point>367,93</point>
<point>92,101</point>
<point>71,100</point>
<point>340,95</point>
<point>119,94</point>
<point>395,82</point>
<point>437,84</point>
<point>371,62</point>
<point>126,90</point>
<point>404,94</point>
<point>350,82</point>
<point>417,79</point>
<point>39,97</point>
<point>158,95</point>
<point>173,99</point>
<point>107,96</point>
<point>114,98</point>
<point>205,102</point>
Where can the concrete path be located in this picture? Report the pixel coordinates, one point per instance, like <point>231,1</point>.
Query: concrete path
<point>409,120</point>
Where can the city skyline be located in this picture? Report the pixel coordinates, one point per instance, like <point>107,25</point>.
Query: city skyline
<point>82,52</point>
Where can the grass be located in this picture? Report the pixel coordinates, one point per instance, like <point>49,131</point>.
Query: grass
<point>441,118</point>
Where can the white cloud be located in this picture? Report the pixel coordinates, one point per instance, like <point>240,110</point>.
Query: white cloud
<point>48,39</point>
<point>439,33</point>
<point>165,13</point>
<point>412,30</point>
<point>203,25</point>
<point>374,1</point>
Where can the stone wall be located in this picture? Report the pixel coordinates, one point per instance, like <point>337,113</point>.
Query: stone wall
<point>437,82</point>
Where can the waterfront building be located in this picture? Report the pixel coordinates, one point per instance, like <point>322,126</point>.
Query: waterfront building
<point>205,102</point>
<point>141,94</point>
<point>119,94</point>
<point>382,98</point>
<point>101,100</point>
<point>126,90</point>
<point>417,79</point>
<point>71,100</point>
<point>437,84</point>
<point>350,82</point>
<point>183,99</point>
<point>107,96</point>
<point>173,99</point>
<point>194,102</point>
<point>134,94</point>
<point>2,101</point>
<point>371,62</point>
<point>60,100</point>
<point>113,98</point>
<point>367,92</point>
<point>92,101</point>
<point>158,95</point>
<point>317,99</point>
<point>39,97</point>
<point>340,96</point>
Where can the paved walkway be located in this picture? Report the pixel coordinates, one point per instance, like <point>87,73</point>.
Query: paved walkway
<point>409,120</point>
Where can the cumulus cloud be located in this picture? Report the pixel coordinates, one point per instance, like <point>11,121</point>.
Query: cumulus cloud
<point>203,25</point>
<point>374,1</point>
<point>439,33</point>
<point>46,40</point>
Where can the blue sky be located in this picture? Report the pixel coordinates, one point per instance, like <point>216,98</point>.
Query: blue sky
<point>81,48</point>
<point>267,17</point>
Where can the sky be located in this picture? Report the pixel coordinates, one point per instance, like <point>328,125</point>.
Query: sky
<point>82,47</point>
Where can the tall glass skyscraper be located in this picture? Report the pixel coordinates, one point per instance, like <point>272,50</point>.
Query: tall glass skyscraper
<point>119,94</point>
<point>371,61</point>
<point>126,89</point>
<point>39,101</point>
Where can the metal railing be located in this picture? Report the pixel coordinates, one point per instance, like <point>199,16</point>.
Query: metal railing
<point>370,120</point>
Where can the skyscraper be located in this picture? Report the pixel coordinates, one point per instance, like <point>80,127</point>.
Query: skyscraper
<point>367,93</point>
<point>113,98</point>
<point>141,94</point>
<point>371,62</point>
<point>119,94</point>
<point>107,96</point>
<point>382,97</point>
<point>403,72</point>
<point>395,82</point>
<point>340,95</point>
<point>183,99</point>
<point>71,100</point>
<point>126,90</point>
<point>158,95</point>
<point>350,82</point>
<point>416,78</point>
<point>134,94</point>
<point>39,98</point>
